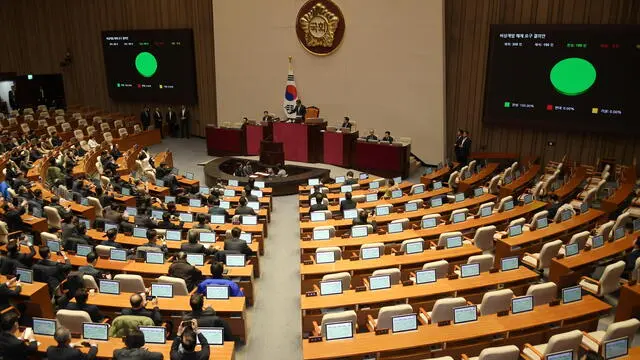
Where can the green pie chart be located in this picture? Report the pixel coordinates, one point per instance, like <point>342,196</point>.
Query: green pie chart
<point>146,64</point>
<point>573,76</point>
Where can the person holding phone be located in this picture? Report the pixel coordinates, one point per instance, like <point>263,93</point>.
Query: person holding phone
<point>184,344</point>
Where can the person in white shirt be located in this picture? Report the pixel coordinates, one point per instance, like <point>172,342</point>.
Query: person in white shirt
<point>92,142</point>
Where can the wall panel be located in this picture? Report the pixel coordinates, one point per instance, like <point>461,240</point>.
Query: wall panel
<point>467,41</point>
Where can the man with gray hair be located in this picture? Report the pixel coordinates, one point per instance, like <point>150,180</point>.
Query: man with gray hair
<point>64,350</point>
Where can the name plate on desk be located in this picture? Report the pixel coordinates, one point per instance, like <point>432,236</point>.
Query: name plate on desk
<point>382,331</point>
<point>407,283</point>
<point>361,288</point>
<point>311,293</point>
<point>354,258</point>
<point>314,339</point>
<point>444,323</point>
<point>493,270</point>
<point>345,236</point>
<point>308,262</point>
<point>399,253</point>
<point>452,276</point>
<point>555,302</point>
<point>503,313</point>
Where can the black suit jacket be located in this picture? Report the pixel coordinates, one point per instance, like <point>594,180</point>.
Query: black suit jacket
<point>347,205</point>
<point>136,354</point>
<point>50,272</point>
<point>14,220</point>
<point>171,117</point>
<point>202,354</point>
<point>90,270</point>
<point>69,353</point>
<point>145,117</point>
<point>466,147</point>
<point>318,207</point>
<point>182,269</point>
<point>93,311</point>
<point>13,348</point>
<point>237,245</point>
<point>6,293</point>
<point>346,125</point>
<point>208,318</point>
<point>157,116</point>
<point>9,264</point>
<point>245,210</point>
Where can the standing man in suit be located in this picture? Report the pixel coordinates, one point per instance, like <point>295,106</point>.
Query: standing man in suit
<point>184,122</point>
<point>12,98</point>
<point>465,144</point>
<point>157,121</point>
<point>299,110</point>
<point>457,148</point>
<point>145,117</point>
<point>172,120</point>
<point>64,350</point>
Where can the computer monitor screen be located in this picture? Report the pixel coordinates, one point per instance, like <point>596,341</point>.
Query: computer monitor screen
<point>428,223</point>
<point>217,292</point>
<point>246,237</point>
<point>454,242</point>
<point>396,194</point>
<point>584,207</point>
<point>345,188</point>
<point>195,202</point>
<point>154,334</point>
<point>85,222</point>
<point>132,211</point>
<point>613,349</point>
<point>437,185</point>
<point>118,255</point>
<point>469,270</point>
<point>459,217</point>
<point>232,182</point>
<point>402,323</point>
<point>318,216</point>
<point>53,245</point>
<point>159,183</point>
<point>204,190</point>
<point>370,253</point>
<point>571,249</point>
<point>521,304</point>
<point>528,199</point>
<point>313,182</point>
<point>162,290</point>
<point>636,225</point>
<point>188,175</point>
<point>24,275</point>
<point>508,205</point>
<point>374,185</point>
<point>83,250</point>
<point>229,192</point>
<point>571,294</point>
<point>436,201</point>
<point>339,330</point>
<point>340,179</point>
<point>597,241</point>
<point>140,232</point>
<point>259,184</point>
<point>154,257</point>
<point>350,214</point>
<point>214,335</point>
<point>381,210</point>
<point>249,220</point>
<point>95,331</point>
<point>410,206</point>
<point>542,223</point>
<point>426,276</point>
<point>394,227</point>
<point>207,237</point>
<point>379,282</point>
<point>485,211</point>
<point>186,217</point>
<point>125,191</point>
<point>371,197</point>
<point>397,180</point>
<point>256,193</point>
<point>459,197</point>
<point>566,215</point>
<point>418,189</point>
<point>363,176</point>
<point>359,231</point>
<point>618,233</point>
<point>255,205</point>
<point>515,230</point>
<point>325,257</point>
<point>225,204</point>
<point>218,219</point>
<point>235,260</point>
<point>465,314</point>
<point>562,355</point>
<point>168,199</point>
<point>44,326</point>
<point>428,171</point>
<point>415,247</point>
<point>478,192</point>
<point>330,287</point>
<point>157,214</point>
<point>507,180</point>
<point>509,263</point>
<point>195,259</point>
<point>173,235</point>
<point>321,234</point>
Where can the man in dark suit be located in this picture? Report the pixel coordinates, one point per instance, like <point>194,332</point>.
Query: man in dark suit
<point>49,271</point>
<point>145,117</point>
<point>81,296</point>
<point>372,136</point>
<point>465,144</point>
<point>13,215</point>
<point>346,124</point>
<point>157,120</point>
<point>184,344</point>
<point>64,350</point>
<point>363,219</point>
<point>347,203</point>
<point>237,245</point>
<point>457,149</point>
<point>8,290</point>
<point>182,269</point>
<point>350,179</point>
<point>299,110</point>
<point>215,209</point>
<point>15,258</point>
<point>69,226</point>
<point>243,209</point>
<point>266,116</point>
<point>194,247</point>
<point>12,348</point>
<point>138,307</point>
<point>166,223</point>
<point>152,241</point>
<point>318,206</point>
<point>207,317</point>
<point>184,122</point>
<point>172,121</point>
<point>111,239</point>
<point>90,268</point>
<point>387,137</point>
<point>134,348</point>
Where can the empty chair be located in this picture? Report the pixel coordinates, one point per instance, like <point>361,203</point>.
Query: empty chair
<point>442,310</point>
<point>59,112</point>
<point>593,341</point>
<point>104,127</point>
<point>635,273</point>
<point>137,128</point>
<point>117,124</point>
<point>394,274</point>
<point>442,239</point>
<point>483,238</point>
<point>403,221</point>
<point>472,166</point>
<point>489,205</point>
<point>385,316</point>
<point>66,127</point>
<point>89,282</point>
<point>416,187</point>
<point>76,115</point>
<point>389,206</point>
<point>405,243</point>
<point>532,225</point>
<point>419,202</point>
<point>103,251</point>
<point>580,238</point>
<point>537,190</point>
<point>441,267</point>
<point>542,260</point>
<point>105,181</point>
<point>344,277</point>
<point>436,217</point>
<point>380,247</point>
<point>97,120</point>
<point>53,218</point>
<point>42,123</point>
<point>562,209</point>
<point>329,318</point>
<point>463,172</point>
<point>179,285</point>
<point>51,130</point>
<point>492,187</point>
<point>78,134</point>
<point>369,228</point>
<point>28,110</point>
<point>122,132</point>
<point>503,202</point>
<point>59,120</point>
<point>332,230</point>
<point>82,122</point>
<point>72,319</point>
<point>337,252</point>
<point>606,230</point>
<point>519,221</point>
<point>485,260</point>
<point>588,198</point>
<point>44,115</point>
<point>557,343</point>
<point>108,137</point>
<point>543,293</point>
<point>464,211</point>
<point>91,130</point>
<point>130,283</point>
<point>454,179</point>
<point>608,283</point>
<point>47,236</point>
<point>507,352</point>
<point>495,301</point>
<point>4,232</point>
<point>622,220</point>
<point>25,127</point>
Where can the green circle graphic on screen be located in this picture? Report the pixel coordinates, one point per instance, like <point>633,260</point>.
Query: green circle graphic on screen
<point>146,64</point>
<point>573,76</point>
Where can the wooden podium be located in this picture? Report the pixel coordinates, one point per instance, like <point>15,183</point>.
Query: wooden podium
<point>271,153</point>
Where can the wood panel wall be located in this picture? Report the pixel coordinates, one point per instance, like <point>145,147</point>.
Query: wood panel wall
<point>35,35</point>
<point>467,41</point>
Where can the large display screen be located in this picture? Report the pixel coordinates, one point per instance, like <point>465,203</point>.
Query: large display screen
<point>564,77</point>
<point>155,66</point>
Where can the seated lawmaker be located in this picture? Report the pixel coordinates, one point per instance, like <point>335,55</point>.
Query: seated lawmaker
<point>166,223</point>
<point>347,203</point>
<point>346,124</point>
<point>350,179</point>
<point>81,296</point>
<point>63,350</point>
<point>15,258</point>
<point>111,235</point>
<point>49,271</point>
<point>12,347</point>
<point>152,241</point>
<point>319,205</point>
<point>236,245</point>
<point>207,317</point>
<point>180,268</point>
<point>218,279</point>
<point>134,348</point>
<point>371,136</point>
<point>387,137</point>
<point>391,186</point>
<point>138,307</point>
<point>184,344</point>
<point>363,219</point>
<point>243,209</point>
<point>194,247</point>
<point>215,209</point>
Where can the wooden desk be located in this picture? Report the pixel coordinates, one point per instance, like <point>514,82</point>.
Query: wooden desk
<point>587,310</point>
<point>516,185</point>
<point>364,187</point>
<point>87,212</point>
<point>266,191</point>
<point>568,270</point>
<point>37,224</point>
<point>395,202</point>
<point>519,211</point>
<point>469,183</point>
<point>532,241</point>
<point>568,188</point>
<point>307,226</point>
<point>427,179</point>
<point>629,304</point>
<point>106,348</point>
<point>153,188</point>
<point>622,193</point>
<point>38,294</point>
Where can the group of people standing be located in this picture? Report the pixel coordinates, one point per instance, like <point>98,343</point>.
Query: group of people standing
<point>177,121</point>
<point>462,147</point>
